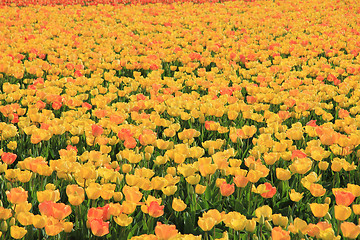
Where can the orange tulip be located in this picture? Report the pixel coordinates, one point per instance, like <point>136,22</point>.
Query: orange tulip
<point>240,181</point>
<point>96,130</point>
<point>270,191</point>
<point>344,198</point>
<point>278,233</point>
<point>227,189</point>
<point>53,226</point>
<point>8,158</point>
<point>99,213</point>
<point>155,210</point>
<point>350,230</point>
<point>99,227</point>
<point>164,232</point>
<point>317,190</point>
<point>17,195</point>
<point>58,211</point>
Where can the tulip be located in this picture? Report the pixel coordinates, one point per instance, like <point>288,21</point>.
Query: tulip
<point>350,230</point>
<point>165,232</point>
<point>342,212</point>
<point>17,232</point>
<point>178,205</point>
<point>319,210</point>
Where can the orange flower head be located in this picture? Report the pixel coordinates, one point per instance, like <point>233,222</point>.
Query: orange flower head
<point>278,233</point>
<point>270,191</point>
<point>17,195</point>
<point>350,230</point>
<point>227,189</point>
<point>344,198</point>
<point>99,227</point>
<point>164,232</point>
<point>155,210</point>
<point>96,130</point>
<point>317,190</point>
<point>8,158</point>
<point>240,181</point>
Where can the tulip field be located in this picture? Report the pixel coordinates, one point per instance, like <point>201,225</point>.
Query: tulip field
<point>166,119</point>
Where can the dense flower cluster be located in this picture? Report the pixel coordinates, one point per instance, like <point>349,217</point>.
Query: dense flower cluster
<point>180,121</point>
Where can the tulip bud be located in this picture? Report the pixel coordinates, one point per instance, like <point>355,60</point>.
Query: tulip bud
<point>268,225</point>
<point>250,225</point>
<point>327,200</point>
<point>328,216</point>
<point>262,220</point>
<point>255,237</point>
<point>12,221</point>
<point>4,226</point>
<point>147,156</point>
<point>118,196</point>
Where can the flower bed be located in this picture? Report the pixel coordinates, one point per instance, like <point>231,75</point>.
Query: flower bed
<point>225,120</point>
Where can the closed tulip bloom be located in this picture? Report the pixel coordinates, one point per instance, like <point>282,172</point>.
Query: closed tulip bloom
<point>270,191</point>
<point>354,189</point>
<point>356,209</point>
<point>38,221</point>
<point>250,226</point>
<point>283,174</point>
<point>350,230</point>
<point>278,233</point>
<point>178,205</point>
<point>238,224</point>
<point>17,232</point>
<point>123,220</point>
<point>76,194</point>
<point>165,232</point>
<point>48,195</point>
<point>295,196</point>
<point>8,158</point>
<point>344,198</point>
<point>240,181</point>
<point>68,226</point>
<point>254,175</point>
<point>200,189</point>
<point>128,207</point>
<point>319,210</point>
<point>317,190</point>
<point>99,227</point>
<point>206,223</point>
<point>25,218</point>
<point>227,189</point>
<point>342,212</point>
<point>264,211</point>
<point>5,213</point>
<point>96,130</point>
<point>17,195</point>
<point>155,210</point>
